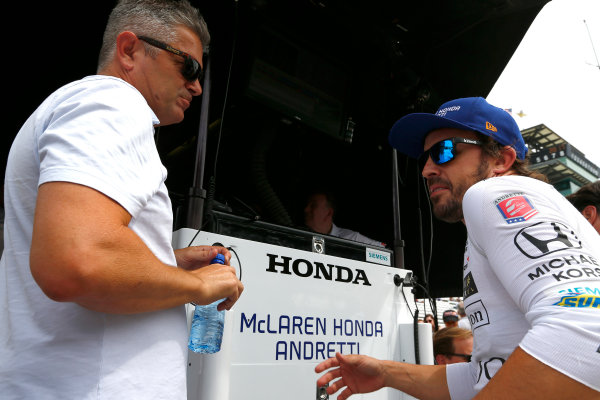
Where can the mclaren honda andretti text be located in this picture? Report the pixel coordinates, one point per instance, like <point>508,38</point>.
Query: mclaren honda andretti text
<point>310,338</point>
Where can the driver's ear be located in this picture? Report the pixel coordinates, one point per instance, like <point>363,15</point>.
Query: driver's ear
<point>504,162</point>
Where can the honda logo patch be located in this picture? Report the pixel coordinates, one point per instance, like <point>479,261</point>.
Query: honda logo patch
<point>544,238</point>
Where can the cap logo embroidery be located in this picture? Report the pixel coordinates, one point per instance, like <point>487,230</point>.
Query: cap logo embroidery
<point>444,111</point>
<point>490,127</point>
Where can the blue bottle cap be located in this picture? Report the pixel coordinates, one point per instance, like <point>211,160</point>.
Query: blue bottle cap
<point>219,259</point>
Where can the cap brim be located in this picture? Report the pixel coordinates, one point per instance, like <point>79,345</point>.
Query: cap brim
<point>408,133</point>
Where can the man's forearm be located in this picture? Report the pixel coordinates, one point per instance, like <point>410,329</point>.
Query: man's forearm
<point>120,275</point>
<point>420,381</point>
<point>83,251</point>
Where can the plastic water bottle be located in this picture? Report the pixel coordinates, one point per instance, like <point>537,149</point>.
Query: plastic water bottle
<point>207,325</point>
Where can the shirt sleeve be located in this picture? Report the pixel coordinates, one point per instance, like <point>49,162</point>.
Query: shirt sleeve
<point>102,138</point>
<point>545,256</point>
<point>461,379</point>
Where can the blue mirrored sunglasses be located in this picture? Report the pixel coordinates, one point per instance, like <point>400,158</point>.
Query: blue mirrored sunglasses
<point>445,150</point>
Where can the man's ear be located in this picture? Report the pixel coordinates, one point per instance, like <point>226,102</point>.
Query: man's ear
<point>330,212</point>
<point>590,213</point>
<point>502,164</point>
<point>127,46</point>
<point>440,359</point>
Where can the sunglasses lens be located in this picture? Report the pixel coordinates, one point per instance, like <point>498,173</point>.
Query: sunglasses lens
<point>442,152</point>
<point>191,70</point>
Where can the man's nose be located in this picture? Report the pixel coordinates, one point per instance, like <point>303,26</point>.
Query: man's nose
<point>195,87</point>
<point>430,168</point>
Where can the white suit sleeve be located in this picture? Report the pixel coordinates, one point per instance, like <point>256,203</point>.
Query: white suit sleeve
<point>545,255</point>
<point>461,381</point>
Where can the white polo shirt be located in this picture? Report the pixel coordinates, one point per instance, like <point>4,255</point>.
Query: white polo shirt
<point>96,132</point>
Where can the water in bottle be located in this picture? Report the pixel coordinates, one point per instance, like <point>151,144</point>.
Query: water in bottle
<point>207,325</point>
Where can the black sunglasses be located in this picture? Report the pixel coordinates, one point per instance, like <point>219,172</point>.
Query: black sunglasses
<point>465,356</point>
<point>444,150</point>
<point>191,69</point>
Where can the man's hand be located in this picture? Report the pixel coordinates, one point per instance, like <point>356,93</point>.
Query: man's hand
<point>363,374</point>
<point>358,373</point>
<point>219,281</point>
<point>194,257</point>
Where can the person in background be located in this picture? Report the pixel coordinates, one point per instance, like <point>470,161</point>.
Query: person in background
<point>430,319</point>
<point>587,201</point>
<point>535,328</point>
<point>452,345</point>
<point>93,294</point>
<point>318,216</point>
<point>450,318</point>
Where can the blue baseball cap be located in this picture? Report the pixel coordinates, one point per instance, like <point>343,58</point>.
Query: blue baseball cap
<point>470,113</point>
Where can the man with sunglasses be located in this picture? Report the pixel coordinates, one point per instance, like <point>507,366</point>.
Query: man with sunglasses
<point>531,274</point>
<point>92,303</point>
<point>452,345</point>
<point>450,318</point>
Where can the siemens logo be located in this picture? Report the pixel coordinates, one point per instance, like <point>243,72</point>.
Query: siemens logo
<point>382,257</point>
<point>379,257</point>
<point>317,270</point>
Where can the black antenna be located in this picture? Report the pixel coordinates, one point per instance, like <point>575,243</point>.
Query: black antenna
<point>197,194</point>
<point>592,42</point>
<point>398,242</point>
<point>199,202</point>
